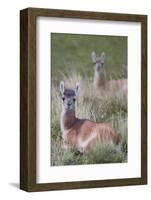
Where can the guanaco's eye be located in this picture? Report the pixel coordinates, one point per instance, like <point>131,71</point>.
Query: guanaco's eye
<point>74,99</point>
<point>63,98</point>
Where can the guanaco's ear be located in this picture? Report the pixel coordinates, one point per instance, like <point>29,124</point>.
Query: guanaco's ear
<point>62,87</point>
<point>103,57</point>
<point>77,89</point>
<point>93,57</point>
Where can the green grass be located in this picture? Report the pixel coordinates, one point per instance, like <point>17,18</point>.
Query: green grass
<point>71,62</point>
<point>72,52</point>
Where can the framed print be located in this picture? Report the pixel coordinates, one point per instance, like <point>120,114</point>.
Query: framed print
<point>83,99</point>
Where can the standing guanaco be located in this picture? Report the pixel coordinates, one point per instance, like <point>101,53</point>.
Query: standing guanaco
<point>99,80</point>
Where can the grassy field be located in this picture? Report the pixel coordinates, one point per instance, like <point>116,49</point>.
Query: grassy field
<point>71,62</point>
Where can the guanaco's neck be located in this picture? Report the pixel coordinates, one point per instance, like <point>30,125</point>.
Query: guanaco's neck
<point>68,119</point>
<point>99,79</point>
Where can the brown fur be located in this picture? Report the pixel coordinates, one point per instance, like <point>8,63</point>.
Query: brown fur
<point>110,85</point>
<point>117,84</point>
<point>82,129</point>
<point>99,81</point>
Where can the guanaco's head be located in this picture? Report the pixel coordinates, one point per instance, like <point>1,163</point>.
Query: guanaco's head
<point>98,61</point>
<point>68,96</point>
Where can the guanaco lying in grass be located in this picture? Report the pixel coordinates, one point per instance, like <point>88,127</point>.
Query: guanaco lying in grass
<point>84,134</point>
